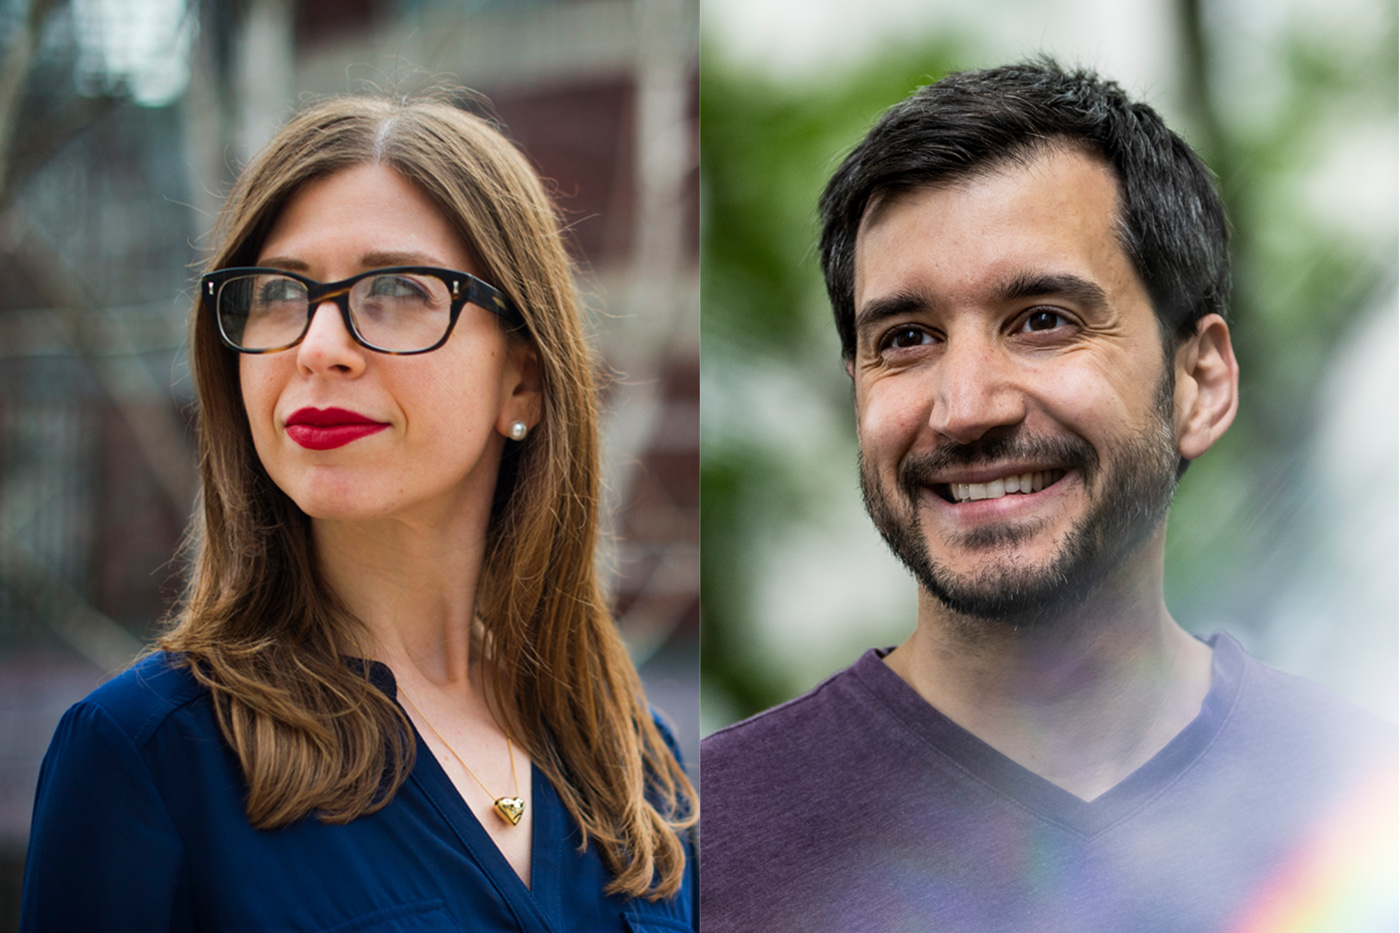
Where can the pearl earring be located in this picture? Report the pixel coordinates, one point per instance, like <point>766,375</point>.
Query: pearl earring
<point>518,430</point>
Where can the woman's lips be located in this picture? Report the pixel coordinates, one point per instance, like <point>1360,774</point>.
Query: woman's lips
<point>329,428</point>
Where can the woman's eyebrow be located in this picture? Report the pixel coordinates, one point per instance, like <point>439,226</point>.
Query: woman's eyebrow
<point>284,262</point>
<point>374,260</point>
<point>377,260</point>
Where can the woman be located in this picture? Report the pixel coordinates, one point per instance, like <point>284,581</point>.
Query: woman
<point>394,699</point>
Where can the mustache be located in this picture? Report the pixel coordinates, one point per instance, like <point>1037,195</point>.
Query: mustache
<point>1066,452</point>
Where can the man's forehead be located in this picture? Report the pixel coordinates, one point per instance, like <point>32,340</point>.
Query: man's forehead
<point>983,238</point>
<point>1008,164</point>
<point>1055,195</point>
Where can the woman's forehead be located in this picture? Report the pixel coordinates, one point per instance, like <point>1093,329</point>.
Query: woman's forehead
<point>358,218</point>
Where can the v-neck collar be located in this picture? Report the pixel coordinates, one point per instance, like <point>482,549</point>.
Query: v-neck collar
<point>538,907</point>
<point>533,906</point>
<point>1032,792</point>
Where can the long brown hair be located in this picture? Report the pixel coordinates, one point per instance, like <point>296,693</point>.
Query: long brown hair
<point>269,638</point>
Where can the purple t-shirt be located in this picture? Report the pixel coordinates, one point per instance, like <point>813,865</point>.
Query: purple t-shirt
<point>859,807</point>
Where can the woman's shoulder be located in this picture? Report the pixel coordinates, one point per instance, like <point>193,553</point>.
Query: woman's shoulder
<point>144,696</point>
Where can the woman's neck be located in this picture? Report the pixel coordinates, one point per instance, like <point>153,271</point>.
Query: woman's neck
<point>413,588</point>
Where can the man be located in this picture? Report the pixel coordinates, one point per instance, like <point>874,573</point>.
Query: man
<point>1030,280</point>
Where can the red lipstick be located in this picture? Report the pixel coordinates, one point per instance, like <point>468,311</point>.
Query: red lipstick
<point>329,428</point>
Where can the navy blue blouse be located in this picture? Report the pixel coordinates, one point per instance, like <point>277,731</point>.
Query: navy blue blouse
<point>139,826</point>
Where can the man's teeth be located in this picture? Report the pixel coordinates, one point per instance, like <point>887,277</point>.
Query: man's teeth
<point>1023,483</point>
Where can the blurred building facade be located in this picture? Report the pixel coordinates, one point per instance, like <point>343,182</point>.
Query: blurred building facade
<point>122,122</point>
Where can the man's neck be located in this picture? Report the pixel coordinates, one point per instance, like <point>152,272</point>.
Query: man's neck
<point>1082,702</point>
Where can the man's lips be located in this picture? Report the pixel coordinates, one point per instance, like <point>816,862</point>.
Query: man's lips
<point>995,466</point>
<point>328,428</point>
<point>1012,483</point>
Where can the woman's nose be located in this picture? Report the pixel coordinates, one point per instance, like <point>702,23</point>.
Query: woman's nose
<point>328,344</point>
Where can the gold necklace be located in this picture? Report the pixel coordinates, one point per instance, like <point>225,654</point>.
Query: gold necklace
<point>510,809</point>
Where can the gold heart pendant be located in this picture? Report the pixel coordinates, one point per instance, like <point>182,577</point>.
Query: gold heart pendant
<point>511,809</point>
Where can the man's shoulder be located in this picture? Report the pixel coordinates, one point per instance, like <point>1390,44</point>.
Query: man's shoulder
<point>1279,707</point>
<point>841,722</point>
<point>795,721</point>
<point>778,794</point>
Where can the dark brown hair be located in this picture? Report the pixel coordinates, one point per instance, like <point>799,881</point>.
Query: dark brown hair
<point>1171,221</point>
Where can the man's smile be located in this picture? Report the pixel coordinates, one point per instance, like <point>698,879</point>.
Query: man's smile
<point>1014,483</point>
<point>996,466</point>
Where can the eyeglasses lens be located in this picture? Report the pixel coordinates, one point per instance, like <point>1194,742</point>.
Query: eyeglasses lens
<point>392,311</point>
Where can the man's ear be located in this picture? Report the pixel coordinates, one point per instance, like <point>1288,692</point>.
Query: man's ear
<point>1207,387</point>
<point>855,402</point>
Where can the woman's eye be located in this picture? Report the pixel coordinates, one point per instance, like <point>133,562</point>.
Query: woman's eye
<point>279,290</point>
<point>394,286</point>
<point>1044,320</point>
<point>901,338</point>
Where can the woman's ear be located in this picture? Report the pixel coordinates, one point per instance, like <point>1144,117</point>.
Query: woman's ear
<point>1207,387</point>
<point>523,393</point>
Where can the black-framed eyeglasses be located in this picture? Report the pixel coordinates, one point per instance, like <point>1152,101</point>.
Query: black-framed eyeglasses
<point>400,310</point>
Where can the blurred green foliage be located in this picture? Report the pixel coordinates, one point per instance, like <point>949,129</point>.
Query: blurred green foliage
<point>1241,519</point>
<point>767,151</point>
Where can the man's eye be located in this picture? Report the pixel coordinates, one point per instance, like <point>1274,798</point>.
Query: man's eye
<point>902,338</point>
<point>1044,320</point>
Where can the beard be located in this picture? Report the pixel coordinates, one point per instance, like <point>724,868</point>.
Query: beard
<point>1130,491</point>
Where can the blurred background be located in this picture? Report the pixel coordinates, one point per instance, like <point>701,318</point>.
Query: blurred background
<point>1285,534</point>
<point>123,122</point>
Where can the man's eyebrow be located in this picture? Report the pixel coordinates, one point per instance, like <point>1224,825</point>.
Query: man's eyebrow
<point>887,306</point>
<point>1081,291</point>
<point>1071,287</point>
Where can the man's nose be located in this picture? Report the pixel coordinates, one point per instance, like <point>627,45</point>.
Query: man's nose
<point>328,344</point>
<point>976,390</point>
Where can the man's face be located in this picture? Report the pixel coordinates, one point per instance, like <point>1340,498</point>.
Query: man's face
<point>1015,412</point>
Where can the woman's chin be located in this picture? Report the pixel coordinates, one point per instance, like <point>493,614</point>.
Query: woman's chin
<point>339,506</point>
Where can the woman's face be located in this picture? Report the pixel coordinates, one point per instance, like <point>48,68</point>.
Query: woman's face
<point>432,426</point>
